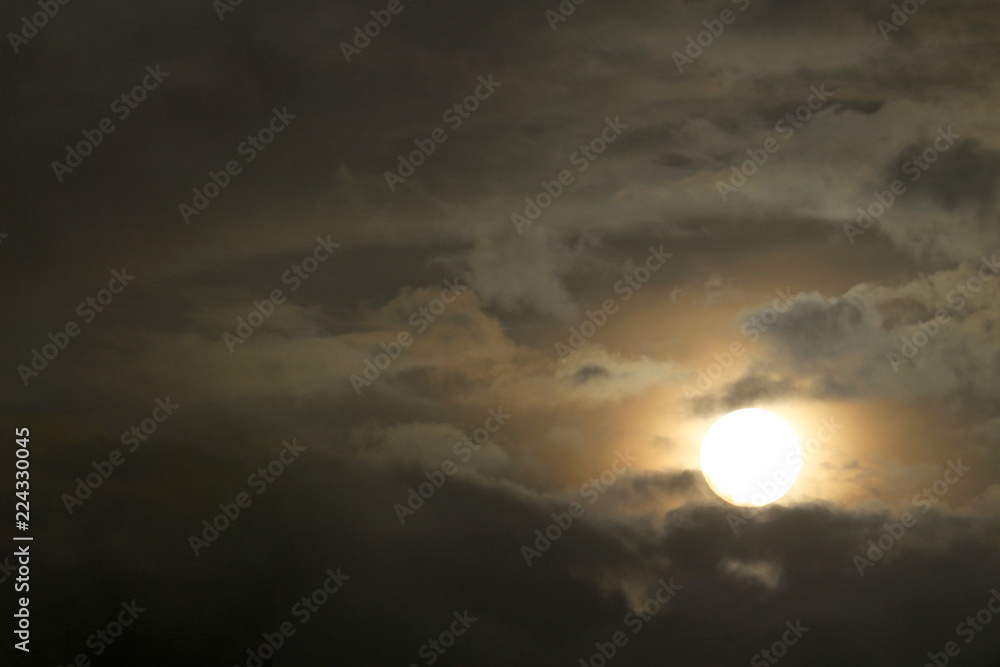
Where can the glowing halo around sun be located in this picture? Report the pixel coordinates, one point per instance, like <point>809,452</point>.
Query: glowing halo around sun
<point>751,457</point>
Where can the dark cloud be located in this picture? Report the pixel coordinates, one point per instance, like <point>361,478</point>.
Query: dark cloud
<point>748,391</point>
<point>462,551</point>
<point>968,175</point>
<point>493,347</point>
<point>588,373</point>
<point>819,328</point>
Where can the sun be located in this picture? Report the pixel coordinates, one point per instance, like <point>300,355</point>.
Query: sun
<point>751,457</point>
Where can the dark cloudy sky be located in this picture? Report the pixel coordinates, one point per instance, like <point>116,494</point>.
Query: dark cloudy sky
<point>897,419</point>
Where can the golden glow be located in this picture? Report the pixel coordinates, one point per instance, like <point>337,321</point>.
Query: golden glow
<point>751,457</point>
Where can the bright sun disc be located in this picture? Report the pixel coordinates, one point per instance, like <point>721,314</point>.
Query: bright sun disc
<point>751,457</point>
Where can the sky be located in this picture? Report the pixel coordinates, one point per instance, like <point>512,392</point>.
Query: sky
<point>398,347</point>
